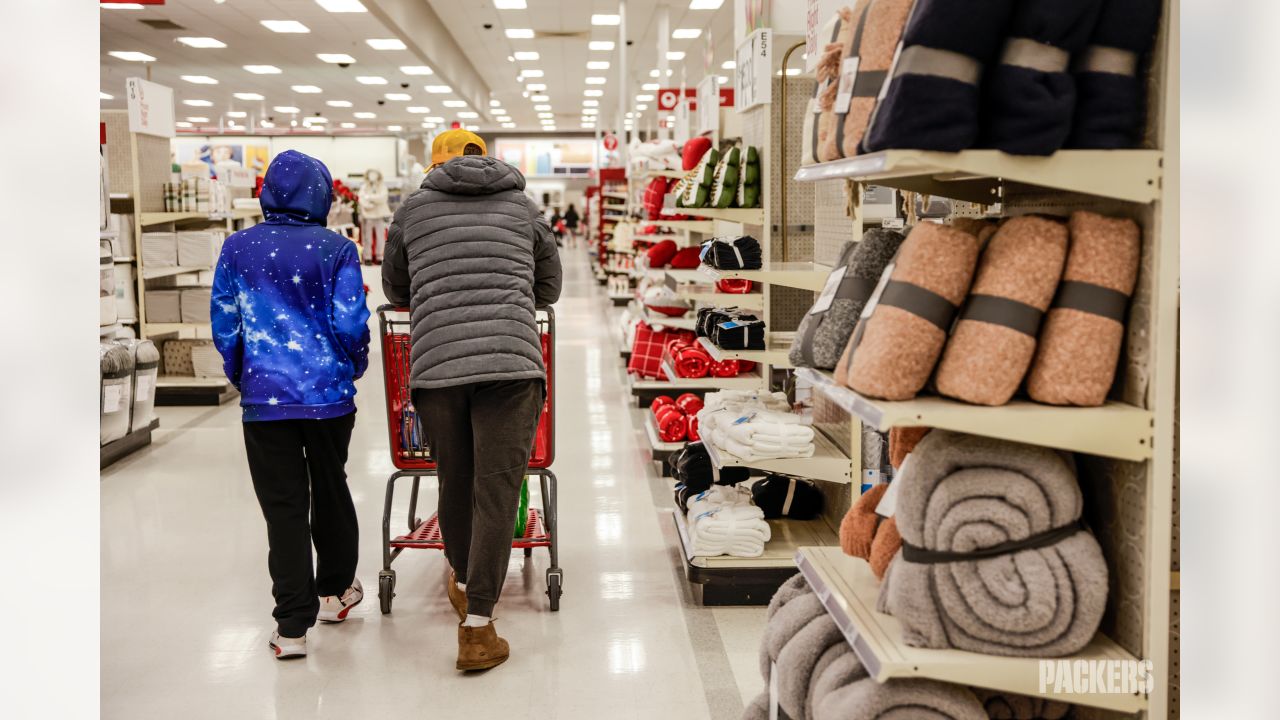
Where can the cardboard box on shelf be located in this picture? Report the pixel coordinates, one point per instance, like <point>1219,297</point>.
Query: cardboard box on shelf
<point>159,249</point>
<point>164,306</point>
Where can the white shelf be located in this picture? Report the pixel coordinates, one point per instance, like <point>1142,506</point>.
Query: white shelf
<point>162,328</point>
<point>803,275</point>
<point>745,216</point>
<point>159,272</point>
<point>848,589</point>
<point>777,349</point>
<point>1133,175</point>
<point>620,196</point>
<point>677,174</point>
<point>786,539</point>
<point>680,323</point>
<point>1111,430</point>
<point>651,430</point>
<point>745,381</point>
<point>189,381</point>
<point>699,226</point>
<point>707,295</point>
<point>828,462</point>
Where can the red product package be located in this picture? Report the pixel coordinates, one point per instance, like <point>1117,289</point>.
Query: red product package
<point>736,286</point>
<point>694,149</point>
<point>724,368</point>
<point>687,259</point>
<point>646,351</point>
<point>661,253</point>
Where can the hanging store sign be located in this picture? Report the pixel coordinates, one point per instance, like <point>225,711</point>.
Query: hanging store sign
<point>150,108</point>
<point>610,142</point>
<point>669,98</point>
<point>708,106</point>
<point>753,77</point>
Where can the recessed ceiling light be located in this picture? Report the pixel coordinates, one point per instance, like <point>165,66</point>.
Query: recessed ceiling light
<point>247,96</point>
<point>385,43</point>
<point>342,6</point>
<point>644,98</point>
<point>642,106</point>
<point>547,121</point>
<point>545,115</point>
<point>433,119</point>
<point>131,56</point>
<point>535,87</point>
<point>197,103</point>
<point>468,115</point>
<point>437,89</point>
<point>520,33</point>
<point>728,65</point>
<point>393,128</point>
<point>598,65</point>
<point>509,5</point>
<point>590,103</point>
<point>686,33</point>
<point>183,124</point>
<point>285,26</point>
<point>454,103</point>
<point>371,80</point>
<point>121,6</point>
<point>418,109</point>
<point>305,89</point>
<point>629,115</point>
<point>429,125</point>
<point>347,125</point>
<point>266,123</point>
<point>526,55</point>
<point>335,58</point>
<point>473,128</point>
<point>605,19</point>
<point>201,42</point>
<point>705,4</point>
<point>540,98</point>
<point>549,128</point>
<point>591,92</point>
<point>649,87</point>
<point>675,55</point>
<point>600,45</point>
<point>504,118</point>
<point>198,119</point>
<point>398,97</point>
<point>596,80</point>
<point>531,73</point>
<point>263,69</point>
<point>338,103</point>
<point>104,96</point>
<point>722,79</point>
<point>588,126</point>
<point>590,111</point>
<point>365,115</point>
<point>200,79</point>
<point>654,72</point>
<point>286,109</point>
<point>315,120</point>
<point>494,102</point>
<point>416,70</point>
<point>237,113</point>
<point>508,125</point>
<point>542,108</point>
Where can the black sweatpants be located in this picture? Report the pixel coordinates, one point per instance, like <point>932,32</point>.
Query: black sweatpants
<point>480,435</point>
<point>298,469</point>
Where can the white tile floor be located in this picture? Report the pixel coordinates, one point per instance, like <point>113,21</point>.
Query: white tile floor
<point>186,604</point>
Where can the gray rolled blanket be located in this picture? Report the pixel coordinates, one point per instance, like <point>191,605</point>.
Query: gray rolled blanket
<point>1007,706</point>
<point>797,660</point>
<point>907,699</point>
<point>844,669</point>
<point>785,624</point>
<point>758,709</point>
<point>993,558</point>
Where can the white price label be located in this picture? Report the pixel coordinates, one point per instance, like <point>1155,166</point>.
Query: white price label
<point>144,388</point>
<point>889,502</point>
<point>111,396</point>
<point>848,73</point>
<point>875,294</point>
<point>823,303</point>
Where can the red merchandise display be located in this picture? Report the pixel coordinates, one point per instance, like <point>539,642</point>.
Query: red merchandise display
<point>691,433</point>
<point>691,362</point>
<point>673,425</point>
<point>687,259</point>
<point>646,351</point>
<point>689,403</point>
<point>661,253</point>
<point>736,286</point>
<point>725,368</point>
<point>694,149</point>
<point>660,402</point>
<point>653,196</point>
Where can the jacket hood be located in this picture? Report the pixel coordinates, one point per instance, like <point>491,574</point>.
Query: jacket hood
<point>474,175</point>
<point>297,190</point>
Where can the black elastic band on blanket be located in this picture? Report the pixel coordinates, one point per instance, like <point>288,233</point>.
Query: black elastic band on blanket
<point>1002,311</point>
<point>922,556</point>
<point>1092,299</point>
<point>919,301</point>
<point>851,288</point>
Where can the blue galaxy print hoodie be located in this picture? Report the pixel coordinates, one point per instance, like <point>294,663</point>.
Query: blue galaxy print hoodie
<point>288,309</point>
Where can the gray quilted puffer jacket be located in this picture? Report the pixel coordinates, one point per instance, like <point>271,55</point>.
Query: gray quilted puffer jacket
<point>472,258</point>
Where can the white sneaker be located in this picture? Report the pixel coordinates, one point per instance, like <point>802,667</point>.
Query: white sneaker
<point>334,609</point>
<point>287,647</point>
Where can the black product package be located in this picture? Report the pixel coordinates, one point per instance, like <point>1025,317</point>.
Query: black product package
<point>733,253</point>
<point>741,333</point>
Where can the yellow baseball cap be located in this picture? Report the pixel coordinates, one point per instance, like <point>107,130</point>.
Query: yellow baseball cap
<point>451,144</point>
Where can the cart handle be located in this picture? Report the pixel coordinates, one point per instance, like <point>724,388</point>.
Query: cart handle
<point>391,307</point>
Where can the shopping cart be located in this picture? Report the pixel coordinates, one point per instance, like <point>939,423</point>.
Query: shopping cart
<point>412,458</point>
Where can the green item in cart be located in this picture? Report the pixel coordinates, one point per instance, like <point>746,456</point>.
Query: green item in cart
<point>522,514</point>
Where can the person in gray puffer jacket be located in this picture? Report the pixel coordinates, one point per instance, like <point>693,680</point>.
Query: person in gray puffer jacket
<point>472,258</point>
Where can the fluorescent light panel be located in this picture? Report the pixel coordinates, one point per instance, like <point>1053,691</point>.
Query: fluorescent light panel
<point>347,125</point>
<point>202,42</point>
<point>342,6</point>
<point>198,119</point>
<point>416,70</point>
<point>263,69</point>
<point>526,55</point>
<point>198,103</point>
<point>591,92</point>
<point>520,33</point>
<point>509,4</point>
<point>600,45</point>
<point>418,109</point>
<point>437,89</point>
<point>541,98</point>
<point>121,6</point>
<point>705,4</point>
<point>287,109</point>
<point>590,103</point>
<point>131,56</point>
<point>247,96</point>
<point>365,115</point>
<point>338,103</point>
<point>535,87</point>
<point>393,128</point>
<point>675,55</point>
<point>605,19</point>
<point>200,79</point>
<point>686,33</point>
<point>728,65</point>
<point>385,43</point>
<point>644,98</point>
<point>371,80</point>
<point>541,108</point>
<point>180,123</point>
<point>237,114</point>
<point>546,115</point>
<point>649,87</point>
<point>596,80</point>
<point>104,96</point>
<point>598,65</point>
<point>468,115</point>
<point>335,58</point>
<point>455,103</point>
<point>305,89</point>
<point>285,26</point>
<point>398,97</point>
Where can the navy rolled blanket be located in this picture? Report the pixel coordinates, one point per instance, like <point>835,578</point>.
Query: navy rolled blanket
<point>932,100</point>
<point>1029,97</point>
<point>1111,96</point>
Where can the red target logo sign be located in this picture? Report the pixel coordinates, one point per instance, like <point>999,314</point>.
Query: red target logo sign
<point>610,142</point>
<point>669,98</point>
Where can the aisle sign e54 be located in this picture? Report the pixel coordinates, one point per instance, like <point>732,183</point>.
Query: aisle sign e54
<point>150,108</point>
<point>753,78</point>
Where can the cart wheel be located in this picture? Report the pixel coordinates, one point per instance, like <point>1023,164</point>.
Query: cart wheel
<point>554,591</point>
<point>386,591</point>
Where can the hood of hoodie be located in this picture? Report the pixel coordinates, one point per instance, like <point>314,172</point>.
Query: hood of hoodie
<point>297,190</point>
<point>474,175</point>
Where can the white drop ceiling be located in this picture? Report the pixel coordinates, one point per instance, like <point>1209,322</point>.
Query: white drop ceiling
<point>562,29</point>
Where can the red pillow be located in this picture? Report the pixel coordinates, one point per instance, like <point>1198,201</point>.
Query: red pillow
<point>686,258</point>
<point>661,253</point>
<point>694,149</point>
<point>734,285</point>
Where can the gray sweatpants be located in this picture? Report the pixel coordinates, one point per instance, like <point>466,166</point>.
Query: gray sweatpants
<point>480,435</point>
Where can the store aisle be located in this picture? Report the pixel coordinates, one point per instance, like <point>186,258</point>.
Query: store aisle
<point>186,605</point>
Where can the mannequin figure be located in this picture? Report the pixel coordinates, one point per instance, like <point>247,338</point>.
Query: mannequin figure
<point>374,216</point>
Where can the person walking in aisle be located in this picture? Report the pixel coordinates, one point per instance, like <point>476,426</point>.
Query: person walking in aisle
<point>290,320</point>
<point>374,214</point>
<point>571,222</point>
<point>557,227</point>
<point>472,257</point>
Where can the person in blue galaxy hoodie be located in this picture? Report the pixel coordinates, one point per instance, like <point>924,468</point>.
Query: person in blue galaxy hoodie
<point>290,320</point>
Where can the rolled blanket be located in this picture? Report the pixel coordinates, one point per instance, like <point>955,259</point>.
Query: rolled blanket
<point>1110,92</point>
<point>830,656</point>
<point>892,352</point>
<point>758,709</point>
<point>692,362</point>
<point>825,329</point>
<point>1080,342</point>
<point>843,669</point>
<point>1029,97</point>
<point>686,258</point>
<point>788,620</point>
<point>689,403</point>
<point>932,100</point>
<point>828,75</point>
<point>834,54</point>
<point>661,253</point>
<point>725,368</point>
<point>794,587</point>
<point>779,496</point>
<point>884,548</point>
<point>993,343</point>
<point>1007,706</point>
<point>977,227</point>
<point>733,253</point>
<point>858,527</point>
<point>874,44</point>
<point>903,440</point>
<point>797,660</point>
<point>905,698</point>
<point>994,559</point>
<point>739,334</point>
<point>671,423</point>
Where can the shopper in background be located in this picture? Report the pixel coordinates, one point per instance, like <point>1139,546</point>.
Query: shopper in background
<point>374,215</point>
<point>290,320</point>
<point>571,223</point>
<point>557,226</point>
<point>472,257</point>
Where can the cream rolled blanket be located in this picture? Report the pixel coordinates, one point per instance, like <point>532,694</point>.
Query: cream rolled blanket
<point>993,559</point>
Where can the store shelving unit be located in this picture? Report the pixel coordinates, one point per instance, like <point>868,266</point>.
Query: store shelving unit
<point>698,226</point>
<point>707,295</point>
<point>674,174</point>
<point>747,216</point>
<point>828,463</point>
<point>659,450</point>
<point>800,275</point>
<point>777,347</point>
<point>848,589</point>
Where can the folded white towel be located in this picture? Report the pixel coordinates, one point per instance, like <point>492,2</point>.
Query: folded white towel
<point>781,450</point>
<point>748,433</point>
<point>742,548</point>
<point>728,532</point>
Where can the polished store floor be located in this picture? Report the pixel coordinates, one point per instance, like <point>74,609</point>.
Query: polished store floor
<point>186,603</point>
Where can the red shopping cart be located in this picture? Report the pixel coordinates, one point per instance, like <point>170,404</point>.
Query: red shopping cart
<point>412,458</point>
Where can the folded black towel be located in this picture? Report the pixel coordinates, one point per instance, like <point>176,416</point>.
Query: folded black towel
<point>733,253</point>
<point>1110,94</point>
<point>691,467</point>
<point>780,496</point>
<point>932,99</point>
<point>740,333</point>
<point>1029,97</point>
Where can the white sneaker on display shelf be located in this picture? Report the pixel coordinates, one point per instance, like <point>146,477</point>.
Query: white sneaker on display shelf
<point>287,647</point>
<point>334,609</point>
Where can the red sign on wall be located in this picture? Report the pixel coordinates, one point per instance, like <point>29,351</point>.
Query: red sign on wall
<point>668,98</point>
<point>610,142</point>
